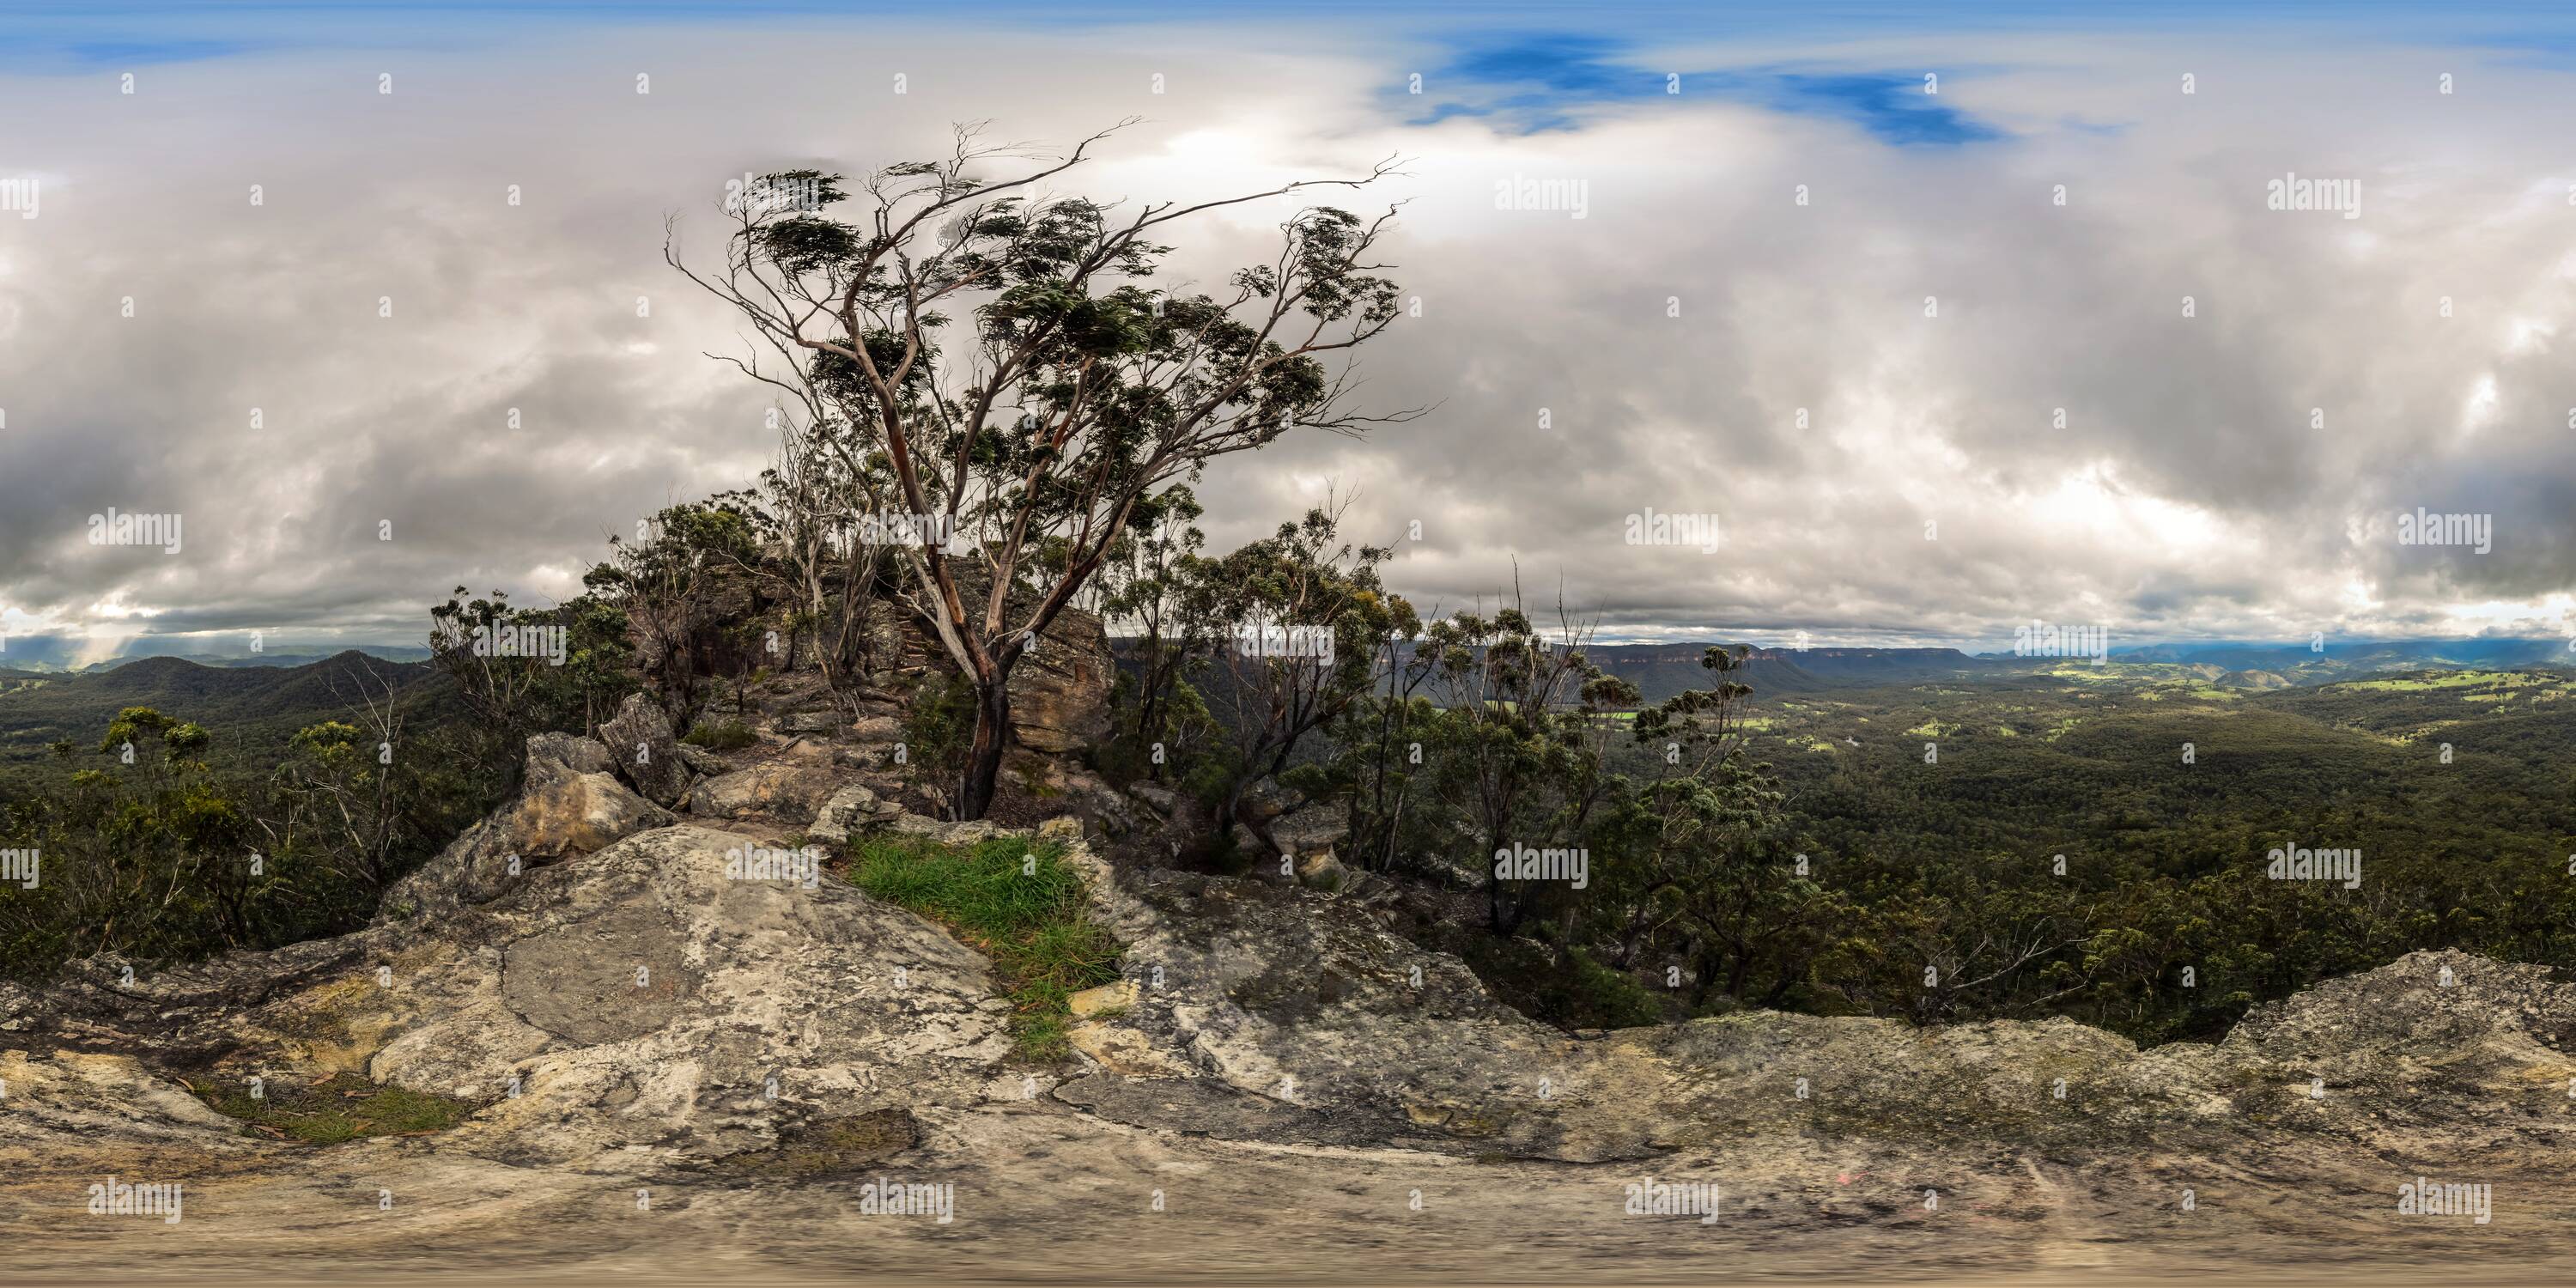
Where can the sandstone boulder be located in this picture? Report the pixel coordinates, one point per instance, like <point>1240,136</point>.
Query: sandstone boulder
<point>1164,800</point>
<point>877,728</point>
<point>568,805</point>
<point>1321,871</point>
<point>811,722</point>
<point>851,810</point>
<point>1316,829</point>
<point>647,752</point>
<point>1096,800</point>
<point>1267,799</point>
<point>779,789</point>
<point>963,833</point>
<point>570,752</point>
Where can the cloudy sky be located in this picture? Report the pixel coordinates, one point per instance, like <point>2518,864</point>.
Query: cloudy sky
<point>1863,387</point>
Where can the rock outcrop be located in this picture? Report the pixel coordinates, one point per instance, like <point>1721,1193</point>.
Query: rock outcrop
<point>569,804</point>
<point>1060,689</point>
<point>647,753</point>
<point>1314,831</point>
<point>1276,1066</point>
<point>639,1007</point>
<point>851,810</point>
<point>785,789</point>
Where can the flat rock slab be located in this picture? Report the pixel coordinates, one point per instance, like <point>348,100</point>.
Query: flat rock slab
<point>611,977</point>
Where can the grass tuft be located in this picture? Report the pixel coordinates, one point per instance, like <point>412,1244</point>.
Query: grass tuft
<point>1019,904</point>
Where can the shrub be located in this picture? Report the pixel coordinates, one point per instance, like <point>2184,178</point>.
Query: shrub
<point>720,735</point>
<point>1568,989</point>
<point>940,731</point>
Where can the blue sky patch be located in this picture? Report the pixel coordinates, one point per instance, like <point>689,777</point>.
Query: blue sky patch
<point>1536,83</point>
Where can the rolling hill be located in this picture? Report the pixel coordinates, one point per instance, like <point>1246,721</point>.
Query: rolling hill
<point>251,710</point>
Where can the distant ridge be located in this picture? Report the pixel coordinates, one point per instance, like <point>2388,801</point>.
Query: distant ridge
<point>245,705</point>
<point>52,655</point>
<point>269,658</point>
<point>2380,654</point>
<point>1661,670</point>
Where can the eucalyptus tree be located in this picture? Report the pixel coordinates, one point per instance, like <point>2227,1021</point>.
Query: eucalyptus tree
<point>1032,396</point>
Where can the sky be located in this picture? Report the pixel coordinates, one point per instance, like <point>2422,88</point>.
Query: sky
<point>1927,321</point>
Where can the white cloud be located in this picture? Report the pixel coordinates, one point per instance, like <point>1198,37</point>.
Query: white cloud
<point>2187,495</point>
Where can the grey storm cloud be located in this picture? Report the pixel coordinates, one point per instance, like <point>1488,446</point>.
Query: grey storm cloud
<point>2237,472</point>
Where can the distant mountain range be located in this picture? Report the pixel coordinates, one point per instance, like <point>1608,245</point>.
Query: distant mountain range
<point>2372,655</point>
<point>46,655</point>
<point>251,709</point>
<point>1662,670</point>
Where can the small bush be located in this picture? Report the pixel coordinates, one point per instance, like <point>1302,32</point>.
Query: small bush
<point>1614,998</point>
<point>720,735</point>
<point>940,730</point>
<point>1565,988</point>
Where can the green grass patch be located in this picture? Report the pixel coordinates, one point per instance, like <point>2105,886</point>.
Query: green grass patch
<point>1019,904</point>
<point>340,1108</point>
